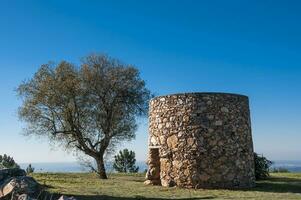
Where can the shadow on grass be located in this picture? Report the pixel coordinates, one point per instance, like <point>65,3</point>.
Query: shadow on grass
<point>106,197</point>
<point>278,185</point>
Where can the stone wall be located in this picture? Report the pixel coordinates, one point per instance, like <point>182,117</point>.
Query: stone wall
<point>204,141</point>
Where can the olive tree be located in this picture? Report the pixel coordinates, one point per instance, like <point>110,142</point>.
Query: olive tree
<point>88,108</point>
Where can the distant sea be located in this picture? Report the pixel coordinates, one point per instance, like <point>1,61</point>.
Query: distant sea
<point>292,166</point>
<point>72,167</point>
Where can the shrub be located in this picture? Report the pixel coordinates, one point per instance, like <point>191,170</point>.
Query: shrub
<point>29,169</point>
<point>125,162</point>
<point>262,166</point>
<point>7,162</point>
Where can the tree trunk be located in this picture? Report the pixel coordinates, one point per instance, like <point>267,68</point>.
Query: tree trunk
<point>101,170</point>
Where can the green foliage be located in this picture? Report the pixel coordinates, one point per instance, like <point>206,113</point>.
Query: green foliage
<point>280,170</point>
<point>7,162</point>
<point>125,162</point>
<point>29,169</point>
<point>262,166</point>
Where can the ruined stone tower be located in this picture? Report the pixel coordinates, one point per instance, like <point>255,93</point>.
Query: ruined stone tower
<point>200,140</point>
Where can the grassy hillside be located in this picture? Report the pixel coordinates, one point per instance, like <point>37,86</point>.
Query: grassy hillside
<point>86,186</point>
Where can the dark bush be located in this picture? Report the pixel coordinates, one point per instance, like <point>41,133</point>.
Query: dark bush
<point>7,162</point>
<point>262,166</point>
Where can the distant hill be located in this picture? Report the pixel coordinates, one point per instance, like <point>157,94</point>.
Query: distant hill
<point>292,166</point>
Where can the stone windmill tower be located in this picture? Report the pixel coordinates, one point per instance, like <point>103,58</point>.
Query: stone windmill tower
<point>200,140</point>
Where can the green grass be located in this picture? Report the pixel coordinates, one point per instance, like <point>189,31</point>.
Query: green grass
<point>86,186</point>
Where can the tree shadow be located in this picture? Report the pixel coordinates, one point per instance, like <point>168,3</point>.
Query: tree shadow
<point>278,185</point>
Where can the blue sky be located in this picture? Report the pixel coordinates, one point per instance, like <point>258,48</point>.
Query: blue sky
<point>249,47</point>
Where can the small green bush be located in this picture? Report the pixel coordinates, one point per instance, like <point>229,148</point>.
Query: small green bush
<point>29,169</point>
<point>125,162</point>
<point>262,166</point>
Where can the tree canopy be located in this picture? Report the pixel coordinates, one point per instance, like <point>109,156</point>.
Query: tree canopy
<point>90,108</point>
